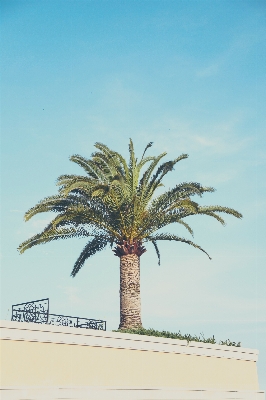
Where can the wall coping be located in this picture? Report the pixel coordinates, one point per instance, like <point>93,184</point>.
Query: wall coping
<point>31,332</point>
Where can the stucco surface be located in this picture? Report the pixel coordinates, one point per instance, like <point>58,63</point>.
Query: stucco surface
<point>27,361</point>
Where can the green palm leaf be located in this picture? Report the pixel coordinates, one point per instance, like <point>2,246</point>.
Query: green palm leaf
<point>116,200</point>
<point>170,237</point>
<point>98,243</point>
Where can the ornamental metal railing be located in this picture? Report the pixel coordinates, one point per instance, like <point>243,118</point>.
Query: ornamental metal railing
<point>38,312</point>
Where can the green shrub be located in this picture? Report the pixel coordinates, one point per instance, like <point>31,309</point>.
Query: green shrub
<point>178,335</point>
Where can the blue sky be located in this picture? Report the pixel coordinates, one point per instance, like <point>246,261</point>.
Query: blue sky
<point>187,75</point>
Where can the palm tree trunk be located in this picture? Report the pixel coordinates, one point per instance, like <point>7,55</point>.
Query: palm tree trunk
<point>130,305</point>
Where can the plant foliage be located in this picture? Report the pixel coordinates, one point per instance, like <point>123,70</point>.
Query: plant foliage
<point>178,335</point>
<point>117,202</point>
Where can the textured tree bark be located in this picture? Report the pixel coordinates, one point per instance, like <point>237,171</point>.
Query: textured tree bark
<point>130,305</point>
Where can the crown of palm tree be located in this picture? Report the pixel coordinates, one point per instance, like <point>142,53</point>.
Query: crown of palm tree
<point>116,203</point>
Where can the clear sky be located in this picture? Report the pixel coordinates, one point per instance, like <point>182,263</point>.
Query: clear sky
<point>187,75</point>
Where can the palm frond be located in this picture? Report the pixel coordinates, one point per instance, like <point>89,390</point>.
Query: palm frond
<point>179,192</point>
<point>53,203</point>
<point>165,168</point>
<point>97,244</point>
<point>186,226</point>
<point>171,237</point>
<point>146,148</point>
<point>50,234</point>
<point>83,162</point>
<point>157,251</point>
<point>212,214</point>
<point>226,210</point>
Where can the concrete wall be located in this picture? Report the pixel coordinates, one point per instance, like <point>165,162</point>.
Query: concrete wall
<point>34,355</point>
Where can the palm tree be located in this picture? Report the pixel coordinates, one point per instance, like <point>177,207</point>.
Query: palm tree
<point>114,204</point>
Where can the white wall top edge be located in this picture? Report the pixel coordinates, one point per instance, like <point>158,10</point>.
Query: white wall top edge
<point>24,331</point>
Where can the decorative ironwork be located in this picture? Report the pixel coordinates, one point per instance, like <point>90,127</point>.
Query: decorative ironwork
<point>38,312</point>
<point>34,311</point>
